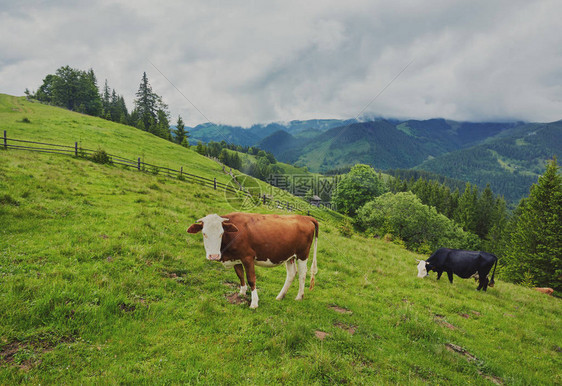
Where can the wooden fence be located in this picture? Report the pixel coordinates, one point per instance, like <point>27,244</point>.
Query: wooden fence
<point>138,164</point>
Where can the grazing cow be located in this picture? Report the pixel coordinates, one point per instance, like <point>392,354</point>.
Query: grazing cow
<point>462,263</point>
<point>243,240</point>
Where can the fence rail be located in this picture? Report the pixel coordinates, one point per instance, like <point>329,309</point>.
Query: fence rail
<point>78,151</point>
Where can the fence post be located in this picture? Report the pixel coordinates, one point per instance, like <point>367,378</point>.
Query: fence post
<point>138,165</point>
<point>264,199</point>
<point>76,149</point>
<point>215,183</point>
<point>5,140</point>
<point>181,171</point>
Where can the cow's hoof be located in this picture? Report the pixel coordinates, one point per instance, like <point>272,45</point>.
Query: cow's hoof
<point>254,306</point>
<point>280,297</point>
<point>299,297</point>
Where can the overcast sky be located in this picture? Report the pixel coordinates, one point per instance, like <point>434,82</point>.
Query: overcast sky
<point>243,62</point>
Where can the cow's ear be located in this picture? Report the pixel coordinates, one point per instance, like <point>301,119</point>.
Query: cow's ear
<point>229,227</point>
<point>194,228</point>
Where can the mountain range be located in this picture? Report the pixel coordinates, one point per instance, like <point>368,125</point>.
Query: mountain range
<point>508,155</point>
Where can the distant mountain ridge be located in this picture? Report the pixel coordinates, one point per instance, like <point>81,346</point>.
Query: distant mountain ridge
<point>238,135</point>
<point>507,155</point>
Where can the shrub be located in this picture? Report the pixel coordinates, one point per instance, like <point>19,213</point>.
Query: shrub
<point>360,185</point>
<point>419,226</point>
<point>346,229</point>
<point>100,156</point>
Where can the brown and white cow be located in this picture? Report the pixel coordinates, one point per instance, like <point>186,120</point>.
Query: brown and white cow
<point>244,240</point>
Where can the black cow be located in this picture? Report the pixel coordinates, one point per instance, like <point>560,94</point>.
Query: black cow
<point>462,263</point>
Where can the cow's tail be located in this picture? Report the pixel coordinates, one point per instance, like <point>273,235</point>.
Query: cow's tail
<point>314,266</point>
<point>492,282</point>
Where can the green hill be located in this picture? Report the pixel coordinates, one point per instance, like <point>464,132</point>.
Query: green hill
<point>102,284</point>
<point>376,143</point>
<point>510,162</point>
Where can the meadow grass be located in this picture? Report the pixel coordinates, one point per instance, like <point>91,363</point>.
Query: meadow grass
<point>33,121</point>
<point>100,283</point>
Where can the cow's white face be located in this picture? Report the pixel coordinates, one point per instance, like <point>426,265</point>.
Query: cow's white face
<point>212,228</point>
<point>422,269</point>
<point>212,235</point>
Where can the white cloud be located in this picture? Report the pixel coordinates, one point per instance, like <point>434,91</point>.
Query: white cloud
<point>247,62</point>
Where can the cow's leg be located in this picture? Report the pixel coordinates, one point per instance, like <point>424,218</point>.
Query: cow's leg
<point>239,269</point>
<point>302,278</point>
<point>484,283</point>
<point>291,273</point>
<point>251,277</point>
<point>439,273</point>
<point>480,283</point>
<point>450,275</point>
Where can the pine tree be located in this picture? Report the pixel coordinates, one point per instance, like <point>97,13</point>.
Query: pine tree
<point>146,104</point>
<point>224,157</point>
<point>484,212</point>
<point>465,214</point>
<point>534,251</point>
<point>201,149</point>
<point>163,125</point>
<point>180,131</point>
<point>106,101</point>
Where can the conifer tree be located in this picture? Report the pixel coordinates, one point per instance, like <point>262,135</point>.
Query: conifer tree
<point>484,212</point>
<point>201,149</point>
<point>106,101</point>
<point>534,250</point>
<point>465,213</point>
<point>146,104</point>
<point>180,132</point>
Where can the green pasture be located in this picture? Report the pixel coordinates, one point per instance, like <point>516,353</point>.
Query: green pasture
<point>100,283</point>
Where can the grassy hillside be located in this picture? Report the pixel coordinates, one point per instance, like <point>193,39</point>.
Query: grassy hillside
<point>101,284</point>
<point>60,126</point>
<point>56,125</point>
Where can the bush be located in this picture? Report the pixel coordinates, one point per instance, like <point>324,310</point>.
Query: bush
<point>420,227</point>
<point>346,229</point>
<point>360,185</point>
<point>100,156</point>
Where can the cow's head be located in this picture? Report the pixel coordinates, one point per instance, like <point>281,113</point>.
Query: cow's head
<point>422,268</point>
<point>213,227</point>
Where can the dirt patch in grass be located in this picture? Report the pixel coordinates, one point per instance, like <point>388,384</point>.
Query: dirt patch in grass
<point>127,307</point>
<point>346,327</point>
<point>235,298</point>
<point>27,354</point>
<point>341,310</point>
<point>441,320</point>
<point>321,334</point>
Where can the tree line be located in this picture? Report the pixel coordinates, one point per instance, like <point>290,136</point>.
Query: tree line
<point>77,90</point>
<point>262,168</point>
<point>425,215</point>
